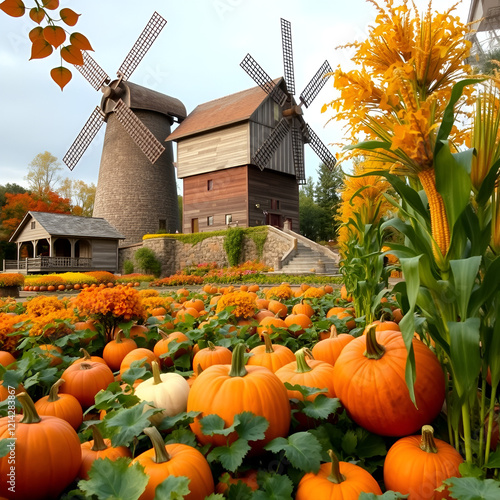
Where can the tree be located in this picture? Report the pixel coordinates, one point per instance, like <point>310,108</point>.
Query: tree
<point>17,205</point>
<point>82,195</point>
<point>12,189</point>
<point>42,173</point>
<point>328,198</point>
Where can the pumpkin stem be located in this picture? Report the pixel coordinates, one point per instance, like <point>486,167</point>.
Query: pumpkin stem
<point>333,332</point>
<point>373,349</point>
<point>163,335</point>
<point>155,367</point>
<point>30,415</point>
<point>161,454</point>
<point>119,337</point>
<point>300,358</point>
<point>268,343</point>
<point>54,391</point>
<point>238,361</point>
<point>99,444</point>
<point>211,346</point>
<point>428,444</point>
<point>85,366</point>
<point>335,476</point>
<point>86,355</point>
<point>198,370</point>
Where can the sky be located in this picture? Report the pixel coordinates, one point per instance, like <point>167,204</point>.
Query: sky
<point>194,59</point>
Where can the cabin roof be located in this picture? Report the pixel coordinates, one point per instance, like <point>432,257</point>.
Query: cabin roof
<point>221,112</point>
<point>70,226</point>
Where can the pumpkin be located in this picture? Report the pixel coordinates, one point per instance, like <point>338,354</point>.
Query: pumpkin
<point>47,454</point>
<point>342,480</point>
<point>370,373</point>
<point>64,406</point>
<point>277,308</point>
<point>51,352</point>
<point>115,350</point>
<point>417,465</point>
<point>343,313</point>
<point>86,325</point>
<point>228,390</point>
<point>302,321</point>
<point>269,355</point>
<point>87,357</point>
<point>6,358</point>
<point>99,448</point>
<point>162,348</point>
<point>303,308</point>
<point>165,390</point>
<point>84,380</point>
<point>176,459</point>
<point>313,373</point>
<point>329,349</point>
<point>270,325</point>
<point>212,355</point>
<point>139,354</point>
<point>226,480</point>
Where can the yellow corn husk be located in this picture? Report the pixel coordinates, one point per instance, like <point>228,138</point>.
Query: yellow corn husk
<point>439,220</point>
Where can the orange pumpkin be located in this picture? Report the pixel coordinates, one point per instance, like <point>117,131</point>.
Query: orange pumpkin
<point>269,355</point>
<point>342,480</point>
<point>64,406</point>
<point>176,459</point>
<point>141,353</point>
<point>270,325</point>
<point>212,355</point>
<point>51,352</point>
<point>115,350</point>
<point>99,448</point>
<point>278,308</point>
<point>228,390</point>
<point>303,308</point>
<point>6,358</point>
<point>370,373</point>
<point>162,348</point>
<point>417,465</point>
<point>329,349</point>
<point>87,357</point>
<point>249,478</point>
<point>85,380</point>
<point>303,321</point>
<point>47,454</point>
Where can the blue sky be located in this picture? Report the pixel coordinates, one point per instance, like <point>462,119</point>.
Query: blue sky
<point>195,59</point>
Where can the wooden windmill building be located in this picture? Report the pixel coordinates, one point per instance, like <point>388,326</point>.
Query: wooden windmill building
<point>241,157</point>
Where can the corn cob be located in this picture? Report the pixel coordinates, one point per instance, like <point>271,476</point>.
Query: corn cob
<point>439,220</point>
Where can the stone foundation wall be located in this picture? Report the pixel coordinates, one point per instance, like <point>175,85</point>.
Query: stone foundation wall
<point>175,255</point>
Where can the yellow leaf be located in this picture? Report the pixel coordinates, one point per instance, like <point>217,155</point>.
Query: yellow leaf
<point>37,14</point>
<point>61,76</point>
<point>51,4</point>
<point>40,49</point>
<point>13,8</point>
<point>36,34</point>
<point>69,16</point>
<point>55,35</point>
<point>72,55</point>
<point>80,41</point>
<point>324,108</point>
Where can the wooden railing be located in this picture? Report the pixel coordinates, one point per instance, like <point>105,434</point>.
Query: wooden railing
<point>44,264</point>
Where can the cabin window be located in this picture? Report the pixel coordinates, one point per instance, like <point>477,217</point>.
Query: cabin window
<point>210,220</point>
<point>210,185</point>
<point>275,204</point>
<point>162,225</point>
<point>229,219</point>
<point>277,114</point>
<point>33,224</point>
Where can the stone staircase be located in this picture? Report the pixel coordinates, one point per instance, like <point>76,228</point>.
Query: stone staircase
<point>308,260</point>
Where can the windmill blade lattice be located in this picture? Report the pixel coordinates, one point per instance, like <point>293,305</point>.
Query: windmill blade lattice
<point>263,80</point>
<point>286,42</point>
<point>92,72</point>
<point>139,133</point>
<point>320,149</point>
<point>84,138</point>
<point>298,154</point>
<point>316,84</point>
<point>263,154</point>
<point>142,45</point>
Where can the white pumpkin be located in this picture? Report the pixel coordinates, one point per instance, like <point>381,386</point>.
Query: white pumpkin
<point>168,391</point>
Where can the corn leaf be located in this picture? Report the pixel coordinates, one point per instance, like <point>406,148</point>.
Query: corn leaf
<point>464,276</point>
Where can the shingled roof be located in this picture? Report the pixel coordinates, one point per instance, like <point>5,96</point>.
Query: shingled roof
<point>221,112</point>
<point>71,226</point>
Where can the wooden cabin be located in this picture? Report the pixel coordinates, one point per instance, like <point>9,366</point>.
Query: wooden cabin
<point>221,188</point>
<point>50,243</point>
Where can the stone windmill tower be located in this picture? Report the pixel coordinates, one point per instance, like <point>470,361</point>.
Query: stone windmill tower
<point>136,188</point>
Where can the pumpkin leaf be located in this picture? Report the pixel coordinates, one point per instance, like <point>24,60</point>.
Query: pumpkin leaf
<point>349,442</point>
<point>181,418</point>
<point>182,436</point>
<point>273,487</point>
<point>127,423</point>
<point>173,488</point>
<point>238,491</point>
<point>304,390</point>
<point>231,457</point>
<point>6,446</point>
<point>218,496</point>
<point>388,495</point>
<point>302,449</point>
<point>493,460</point>
<point>369,445</point>
<point>322,407</point>
<point>250,426</point>
<point>115,480</point>
<point>472,488</point>
<point>213,424</point>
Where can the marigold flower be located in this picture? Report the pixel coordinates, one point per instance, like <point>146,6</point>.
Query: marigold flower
<point>244,303</point>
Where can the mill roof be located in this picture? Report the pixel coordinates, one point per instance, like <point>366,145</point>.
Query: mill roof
<point>70,225</point>
<point>221,112</point>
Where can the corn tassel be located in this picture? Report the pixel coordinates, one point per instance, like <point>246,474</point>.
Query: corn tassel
<point>439,220</point>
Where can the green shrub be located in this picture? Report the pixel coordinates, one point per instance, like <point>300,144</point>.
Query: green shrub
<point>128,267</point>
<point>147,261</point>
<point>232,245</point>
